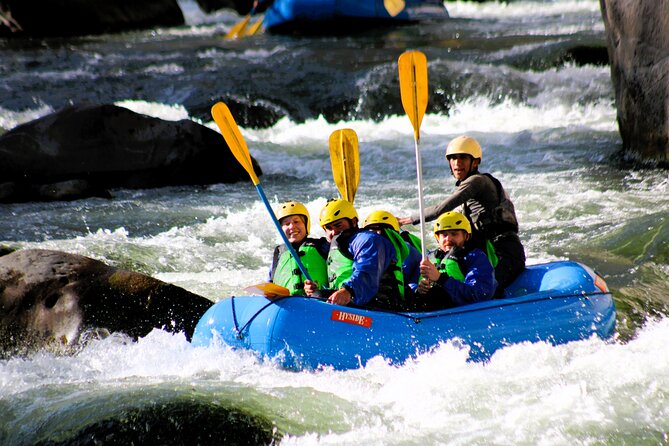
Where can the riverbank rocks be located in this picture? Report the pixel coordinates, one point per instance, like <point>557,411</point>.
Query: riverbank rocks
<point>52,298</point>
<point>637,36</point>
<point>241,6</point>
<point>64,18</point>
<point>85,150</point>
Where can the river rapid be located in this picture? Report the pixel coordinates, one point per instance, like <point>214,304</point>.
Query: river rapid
<point>497,72</point>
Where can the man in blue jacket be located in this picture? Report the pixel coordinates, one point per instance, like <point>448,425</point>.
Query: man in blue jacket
<point>456,273</point>
<point>362,265</point>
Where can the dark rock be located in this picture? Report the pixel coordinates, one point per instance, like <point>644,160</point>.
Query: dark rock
<point>52,298</point>
<point>587,55</point>
<point>82,151</point>
<point>637,35</point>
<point>62,18</point>
<point>4,250</point>
<point>157,419</point>
<point>70,190</point>
<point>241,6</point>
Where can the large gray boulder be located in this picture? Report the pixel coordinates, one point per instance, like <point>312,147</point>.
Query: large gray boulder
<point>62,18</point>
<point>85,150</point>
<point>637,34</point>
<point>50,298</point>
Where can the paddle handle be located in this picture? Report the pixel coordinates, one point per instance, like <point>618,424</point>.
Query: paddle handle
<point>419,175</point>
<point>261,193</point>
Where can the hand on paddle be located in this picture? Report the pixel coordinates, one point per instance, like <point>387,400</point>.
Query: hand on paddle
<point>430,275</point>
<point>310,287</point>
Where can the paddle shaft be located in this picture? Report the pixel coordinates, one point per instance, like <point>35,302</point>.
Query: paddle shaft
<point>419,175</point>
<point>290,248</point>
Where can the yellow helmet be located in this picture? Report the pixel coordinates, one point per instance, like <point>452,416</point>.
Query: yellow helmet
<point>382,218</point>
<point>451,220</point>
<point>337,209</point>
<point>294,208</point>
<point>464,145</point>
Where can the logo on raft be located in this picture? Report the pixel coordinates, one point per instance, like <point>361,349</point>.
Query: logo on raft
<point>351,318</point>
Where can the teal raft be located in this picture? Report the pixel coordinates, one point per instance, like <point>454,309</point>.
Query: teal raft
<point>556,302</point>
<point>321,16</point>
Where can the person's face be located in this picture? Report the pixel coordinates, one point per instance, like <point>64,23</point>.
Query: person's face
<point>461,165</point>
<point>294,228</point>
<point>336,227</point>
<point>452,238</point>
<point>375,228</point>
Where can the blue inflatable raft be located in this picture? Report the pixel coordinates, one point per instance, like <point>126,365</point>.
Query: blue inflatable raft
<point>557,302</point>
<point>347,15</point>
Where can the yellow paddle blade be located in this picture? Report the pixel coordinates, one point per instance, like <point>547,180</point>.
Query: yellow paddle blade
<point>393,7</point>
<point>237,29</point>
<point>267,289</point>
<point>255,27</point>
<point>345,162</point>
<point>413,87</point>
<point>232,135</point>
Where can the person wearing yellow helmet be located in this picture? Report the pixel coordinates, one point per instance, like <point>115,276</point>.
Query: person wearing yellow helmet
<point>483,200</point>
<point>385,224</point>
<point>362,265</point>
<point>456,273</point>
<point>293,217</point>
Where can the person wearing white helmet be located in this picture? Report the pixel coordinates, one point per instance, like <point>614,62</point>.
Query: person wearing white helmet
<point>362,265</point>
<point>456,273</point>
<point>483,200</point>
<point>293,217</point>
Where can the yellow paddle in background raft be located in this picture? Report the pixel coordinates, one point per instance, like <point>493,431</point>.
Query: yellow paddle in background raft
<point>241,28</point>
<point>394,7</point>
<point>226,123</point>
<point>238,28</point>
<point>413,90</point>
<point>255,28</point>
<point>345,161</point>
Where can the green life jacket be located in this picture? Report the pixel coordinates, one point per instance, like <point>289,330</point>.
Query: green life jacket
<point>449,263</point>
<point>339,265</point>
<point>412,239</point>
<point>340,269</point>
<point>286,273</point>
<point>401,252</point>
<point>452,264</point>
<point>490,252</point>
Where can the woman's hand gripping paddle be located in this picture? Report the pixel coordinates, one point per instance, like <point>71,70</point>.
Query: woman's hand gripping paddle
<point>345,162</point>
<point>233,137</point>
<point>413,91</point>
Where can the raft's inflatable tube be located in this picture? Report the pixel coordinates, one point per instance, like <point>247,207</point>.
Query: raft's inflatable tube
<point>328,15</point>
<point>557,302</point>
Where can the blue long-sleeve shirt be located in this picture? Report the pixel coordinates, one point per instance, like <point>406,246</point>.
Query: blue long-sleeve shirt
<point>372,255</point>
<point>479,284</point>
